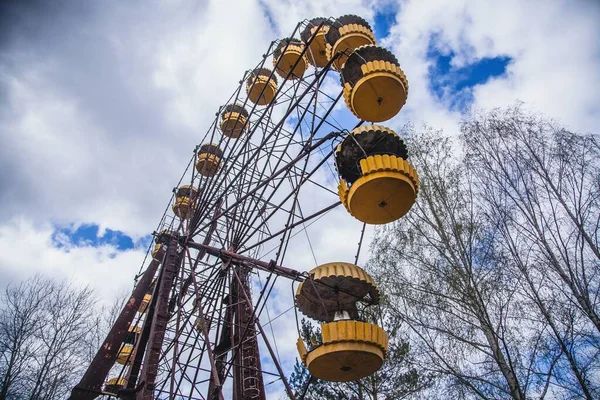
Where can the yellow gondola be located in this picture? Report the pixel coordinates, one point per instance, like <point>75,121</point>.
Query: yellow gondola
<point>132,334</point>
<point>346,34</point>
<point>261,86</point>
<point>184,200</point>
<point>350,349</point>
<point>375,87</point>
<point>156,252</point>
<point>148,296</point>
<point>288,59</point>
<point>234,120</point>
<point>113,385</point>
<point>316,53</point>
<point>209,159</point>
<point>145,302</point>
<point>124,357</point>
<point>159,247</point>
<point>377,183</point>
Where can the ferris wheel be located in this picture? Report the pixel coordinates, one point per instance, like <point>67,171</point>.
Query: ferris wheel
<point>274,163</point>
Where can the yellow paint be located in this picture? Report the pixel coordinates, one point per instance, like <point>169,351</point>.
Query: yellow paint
<point>378,97</point>
<point>114,384</point>
<point>208,164</point>
<point>145,301</point>
<point>385,192</point>
<point>351,350</point>
<point>343,193</point>
<point>288,58</point>
<point>322,306</point>
<point>157,249</point>
<point>255,87</point>
<point>316,53</point>
<point>233,124</point>
<point>135,329</point>
<point>301,349</point>
<point>381,198</point>
<point>124,356</point>
<point>182,206</point>
<point>340,270</point>
<point>372,127</point>
<point>352,36</point>
<point>379,94</point>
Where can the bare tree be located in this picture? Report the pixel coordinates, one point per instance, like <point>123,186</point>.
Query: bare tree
<point>496,269</point>
<point>442,269</point>
<point>19,323</point>
<point>539,183</point>
<point>49,323</point>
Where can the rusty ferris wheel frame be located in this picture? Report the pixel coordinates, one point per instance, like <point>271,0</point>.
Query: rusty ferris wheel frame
<point>202,326</point>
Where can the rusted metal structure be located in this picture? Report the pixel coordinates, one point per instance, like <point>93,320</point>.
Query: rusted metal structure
<point>192,328</point>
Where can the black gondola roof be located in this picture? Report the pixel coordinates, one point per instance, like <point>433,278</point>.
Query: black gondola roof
<point>212,149</point>
<point>160,237</point>
<point>187,191</point>
<point>334,34</point>
<point>284,42</point>
<point>365,143</point>
<point>261,71</point>
<point>351,71</point>
<point>234,108</point>
<point>305,35</point>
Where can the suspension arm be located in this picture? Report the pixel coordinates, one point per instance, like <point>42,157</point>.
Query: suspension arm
<point>244,260</point>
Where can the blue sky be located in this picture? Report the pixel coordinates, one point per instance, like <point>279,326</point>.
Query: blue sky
<point>384,19</point>
<point>454,84</point>
<point>91,235</point>
<point>100,142</point>
<point>448,83</point>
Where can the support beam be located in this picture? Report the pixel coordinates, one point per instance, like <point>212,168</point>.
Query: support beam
<point>244,289</point>
<point>90,385</point>
<point>161,318</point>
<point>251,262</point>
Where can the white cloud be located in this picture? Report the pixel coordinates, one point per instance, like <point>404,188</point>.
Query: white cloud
<point>102,106</point>
<point>553,46</point>
<point>287,13</point>
<point>26,249</point>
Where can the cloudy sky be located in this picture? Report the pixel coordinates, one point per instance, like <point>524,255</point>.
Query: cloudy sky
<point>102,103</point>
